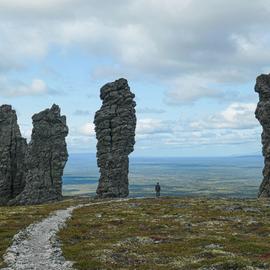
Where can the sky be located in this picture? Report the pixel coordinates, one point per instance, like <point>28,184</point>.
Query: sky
<point>192,65</point>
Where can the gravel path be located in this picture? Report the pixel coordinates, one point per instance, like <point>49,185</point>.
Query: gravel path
<point>37,248</point>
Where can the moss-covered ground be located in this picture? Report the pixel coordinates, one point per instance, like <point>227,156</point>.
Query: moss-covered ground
<point>170,233</point>
<point>15,218</point>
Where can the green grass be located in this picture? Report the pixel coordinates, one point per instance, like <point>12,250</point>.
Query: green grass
<point>170,233</point>
<point>166,233</point>
<point>15,218</point>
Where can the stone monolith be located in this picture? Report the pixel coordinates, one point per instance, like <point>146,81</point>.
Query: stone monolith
<point>12,152</point>
<point>46,157</point>
<point>115,125</point>
<point>262,113</point>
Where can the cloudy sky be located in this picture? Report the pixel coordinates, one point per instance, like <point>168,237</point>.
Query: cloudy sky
<point>192,65</point>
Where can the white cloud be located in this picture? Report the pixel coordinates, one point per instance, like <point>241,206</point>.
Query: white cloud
<point>235,116</point>
<point>81,144</point>
<point>190,88</point>
<point>11,88</point>
<point>82,138</point>
<point>87,129</point>
<point>191,48</point>
<point>168,41</point>
<point>214,137</point>
<point>152,126</point>
<point>147,110</point>
<point>26,132</point>
<point>37,87</point>
<point>234,125</point>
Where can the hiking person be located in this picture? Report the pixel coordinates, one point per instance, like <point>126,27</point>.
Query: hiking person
<point>157,188</point>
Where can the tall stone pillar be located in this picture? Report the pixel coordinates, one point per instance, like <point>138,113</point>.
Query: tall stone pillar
<point>45,158</point>
<point>12,152</point>
<point>262,113</point>
<point>115,125</point>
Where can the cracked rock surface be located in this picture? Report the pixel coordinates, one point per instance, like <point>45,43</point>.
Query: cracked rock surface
<point>46,157</point>
<point>12,152</point>
<point>115,125</point>
<point>262,113</point>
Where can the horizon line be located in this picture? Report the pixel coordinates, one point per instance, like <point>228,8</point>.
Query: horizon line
<point>159,156</point>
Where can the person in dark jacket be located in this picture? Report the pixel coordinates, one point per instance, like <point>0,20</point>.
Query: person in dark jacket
<point>157,188</point>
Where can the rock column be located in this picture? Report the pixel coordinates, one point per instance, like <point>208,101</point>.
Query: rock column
<point>12,152</point>
<point>45,158</point>
<point>115,125</point>
<point>262,113</point>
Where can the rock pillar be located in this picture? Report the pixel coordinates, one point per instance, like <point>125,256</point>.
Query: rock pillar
<point>46,157</point>
<point>115,125</point>
<point>12,152</point>
<point>262,113</point>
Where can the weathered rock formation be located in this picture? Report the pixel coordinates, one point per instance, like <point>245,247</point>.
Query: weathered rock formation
<point>115,125</point>
<point>12,151</point>
<point>46,157</point>
<point>263,115</point>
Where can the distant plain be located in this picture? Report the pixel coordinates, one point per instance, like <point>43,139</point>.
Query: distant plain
<point>233,176</point>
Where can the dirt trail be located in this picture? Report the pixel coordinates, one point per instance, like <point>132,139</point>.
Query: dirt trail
<point>37,247</point>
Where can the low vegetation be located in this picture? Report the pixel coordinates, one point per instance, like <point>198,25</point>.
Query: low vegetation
<point>170,233</point>
<point>15,218</point>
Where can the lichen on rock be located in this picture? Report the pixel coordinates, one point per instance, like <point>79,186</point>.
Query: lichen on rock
<point>46,157</point>
<point>262,113</point>
<point>12,152</point>
<point>115,125</point>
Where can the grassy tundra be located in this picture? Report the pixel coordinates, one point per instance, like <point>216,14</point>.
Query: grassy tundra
<point>166,233</point>
<point>170,233</point>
